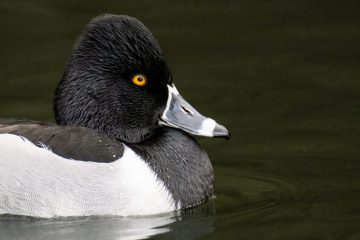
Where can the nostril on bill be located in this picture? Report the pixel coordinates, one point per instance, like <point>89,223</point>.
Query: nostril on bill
<point>187,111</point>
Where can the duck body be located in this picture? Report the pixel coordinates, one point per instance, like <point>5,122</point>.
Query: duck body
<point>72,171</point>
<point>120,144</point>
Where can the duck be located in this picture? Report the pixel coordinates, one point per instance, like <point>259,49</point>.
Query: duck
<point>122,142</point>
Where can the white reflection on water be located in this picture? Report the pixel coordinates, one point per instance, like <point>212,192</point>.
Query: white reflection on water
<point>189,224</point>
<point>85,228</point>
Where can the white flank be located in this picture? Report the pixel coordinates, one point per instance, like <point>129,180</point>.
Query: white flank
<point>36,182</point>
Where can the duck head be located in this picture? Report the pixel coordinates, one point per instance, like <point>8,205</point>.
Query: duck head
<point>118,81</point>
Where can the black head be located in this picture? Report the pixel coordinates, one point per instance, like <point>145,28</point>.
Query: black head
<point>97,90</point>
<point>119,82</point>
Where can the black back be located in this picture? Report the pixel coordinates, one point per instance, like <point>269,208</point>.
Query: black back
<point>76,143</point>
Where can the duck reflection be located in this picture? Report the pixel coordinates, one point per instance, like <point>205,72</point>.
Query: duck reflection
<point>188,224</point>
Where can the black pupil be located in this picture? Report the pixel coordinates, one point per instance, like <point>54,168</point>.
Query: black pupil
<point>140,79</point>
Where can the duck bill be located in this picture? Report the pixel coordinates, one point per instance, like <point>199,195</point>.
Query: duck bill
<point>180,114</point>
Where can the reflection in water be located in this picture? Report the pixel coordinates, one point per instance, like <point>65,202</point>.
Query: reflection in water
<point>187,225</point>
<point>84,228</point>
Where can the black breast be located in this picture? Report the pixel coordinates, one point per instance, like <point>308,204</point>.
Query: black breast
<point>69,142</point>
<point>181,163</point>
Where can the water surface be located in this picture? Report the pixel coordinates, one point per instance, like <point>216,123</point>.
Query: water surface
<point>282,76</point>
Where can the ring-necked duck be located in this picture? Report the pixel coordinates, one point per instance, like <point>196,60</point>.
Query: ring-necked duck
<point>121,144</point>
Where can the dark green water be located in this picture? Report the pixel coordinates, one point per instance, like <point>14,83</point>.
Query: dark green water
<point>283,76</point>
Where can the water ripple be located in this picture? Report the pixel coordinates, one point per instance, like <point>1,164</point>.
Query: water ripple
<point>241,192</point>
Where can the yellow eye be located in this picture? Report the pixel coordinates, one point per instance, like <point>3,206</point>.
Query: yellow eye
<point>139,80</point>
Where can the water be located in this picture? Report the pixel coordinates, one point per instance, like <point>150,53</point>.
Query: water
<point>282,76</point>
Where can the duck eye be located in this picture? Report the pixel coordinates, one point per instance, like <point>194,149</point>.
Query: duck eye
<point>139,80</point>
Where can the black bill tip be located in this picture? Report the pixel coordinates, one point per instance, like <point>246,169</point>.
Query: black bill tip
<point>221,132</point>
